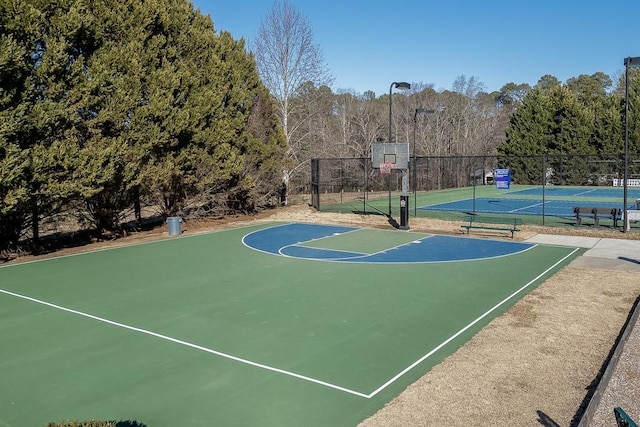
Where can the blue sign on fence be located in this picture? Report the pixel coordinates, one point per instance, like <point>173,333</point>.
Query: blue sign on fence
<point>503,179</point>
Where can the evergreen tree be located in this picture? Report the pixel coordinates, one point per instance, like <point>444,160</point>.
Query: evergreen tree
<point>14,161</point>
<point>109,102</point>
<point>45,41</point>
<point>528,137</point>
<point>633,122</point>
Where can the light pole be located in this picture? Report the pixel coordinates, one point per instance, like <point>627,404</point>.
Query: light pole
<point>559,118</point>
<point>396,85</point>
<point>401,86</point>
<point>628,63</point>
<point>415,120</point>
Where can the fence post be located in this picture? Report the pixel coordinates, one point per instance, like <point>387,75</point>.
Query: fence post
<point>544,182</point>
<point>315,183</point>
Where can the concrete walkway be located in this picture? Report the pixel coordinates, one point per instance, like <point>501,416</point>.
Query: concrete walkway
<point>611,254</point>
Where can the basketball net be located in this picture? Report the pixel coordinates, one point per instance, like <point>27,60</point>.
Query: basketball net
<point>385,168</point>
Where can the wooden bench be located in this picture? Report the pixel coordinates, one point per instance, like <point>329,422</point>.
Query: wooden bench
<point>597,213</point>
<point>492,223</point>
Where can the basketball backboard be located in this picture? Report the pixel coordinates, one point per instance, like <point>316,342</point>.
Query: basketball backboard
<point>395,153</point>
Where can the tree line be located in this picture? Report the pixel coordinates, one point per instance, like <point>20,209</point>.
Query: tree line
<point>106,106</point>
<point>109,106</point>
<point>584,115</point>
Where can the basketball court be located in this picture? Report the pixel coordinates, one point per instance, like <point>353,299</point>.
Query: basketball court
<point>273,324</point>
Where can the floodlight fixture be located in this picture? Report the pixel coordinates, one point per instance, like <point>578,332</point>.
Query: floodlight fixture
<point>396,85</point>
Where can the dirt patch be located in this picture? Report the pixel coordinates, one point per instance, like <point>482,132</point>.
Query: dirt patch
<point>535,365</point>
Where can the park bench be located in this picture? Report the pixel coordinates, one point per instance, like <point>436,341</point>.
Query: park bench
<point>597,214</point>
<point>622,419</point>
<point>492,223</point>
<point>633,215</point>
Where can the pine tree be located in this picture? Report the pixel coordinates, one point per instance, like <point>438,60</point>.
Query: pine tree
<point>110,102</point>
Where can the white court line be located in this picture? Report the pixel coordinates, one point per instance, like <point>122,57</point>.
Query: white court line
<point>582,193</point>
<point>186,344</point>
<point>359,255</point>
<point>452,337</point>
<point>282,371</point>
<point>527,207</point>
<point>122,246</point>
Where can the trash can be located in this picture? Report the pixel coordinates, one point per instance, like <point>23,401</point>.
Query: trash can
<point>174,224</point>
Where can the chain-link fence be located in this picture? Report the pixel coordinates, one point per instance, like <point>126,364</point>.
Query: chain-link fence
<point>352,184</point>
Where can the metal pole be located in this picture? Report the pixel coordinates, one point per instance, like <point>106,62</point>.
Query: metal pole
<point>404,201</point>
<point>415,160</point>
<point>473,173</point>
<point>561,152</point>
<point>415,196</point>
<point>366,186</point>
<point>389,140</point>
<point>544,181</point>
<point>625,223</point>
<point>559,119</point>
<point>403,86</point>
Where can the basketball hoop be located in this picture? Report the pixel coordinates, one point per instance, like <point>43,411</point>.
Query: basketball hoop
<point>385,168</point>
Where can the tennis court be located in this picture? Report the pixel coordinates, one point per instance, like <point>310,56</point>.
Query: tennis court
<point>559,208</point>
<point>580,192</point>
<point>536,201</point>
<point>273,324</point>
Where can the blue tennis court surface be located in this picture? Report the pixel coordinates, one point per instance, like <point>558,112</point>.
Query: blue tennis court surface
<point>560,208</point>
<point>579,192</point>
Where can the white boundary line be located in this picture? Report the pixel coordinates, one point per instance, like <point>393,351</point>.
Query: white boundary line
<point>123,245</point>
<point>582,193</point>
<point>267,367</point>
<point>358,254</point>
<point>452,337</point>
<point>528,207</point>
<point>358,259</point>
<point>287,224</point>
<point>186,344</point>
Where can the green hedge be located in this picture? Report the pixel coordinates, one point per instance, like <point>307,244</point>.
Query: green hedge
<point>92,423</point>
<point>97,423</point>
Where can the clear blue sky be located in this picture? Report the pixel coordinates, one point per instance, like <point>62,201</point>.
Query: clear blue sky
<point>369,44</point>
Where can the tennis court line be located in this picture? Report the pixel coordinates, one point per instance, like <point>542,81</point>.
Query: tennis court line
<point>528,207</point>
<point>186,344</point>
<point>582,193</point>
<point>461,331</point>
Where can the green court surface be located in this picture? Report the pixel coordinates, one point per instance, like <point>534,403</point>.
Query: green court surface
<point>367,241</point>
<point>202,330</point>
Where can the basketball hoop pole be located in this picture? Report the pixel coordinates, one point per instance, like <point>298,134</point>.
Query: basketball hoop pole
<point>404,201</point>
<point>390,156</point>
<point>402,86</point>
